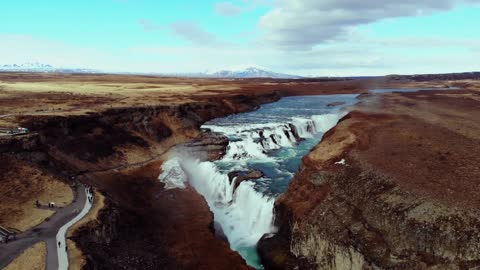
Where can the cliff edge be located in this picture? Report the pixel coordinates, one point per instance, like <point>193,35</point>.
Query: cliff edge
<point>392,186</point>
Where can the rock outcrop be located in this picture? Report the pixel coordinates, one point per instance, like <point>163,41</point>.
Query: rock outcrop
<point>207,146</point>
<point>392,186</point>
<point>239,176</point>
<point>336,103</point>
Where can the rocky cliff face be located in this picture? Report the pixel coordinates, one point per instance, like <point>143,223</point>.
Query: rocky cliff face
<point>119,137</point>
<point>207,146</point>
<point>388,188</point>
<point>119,152</point>
<point>148,227</point>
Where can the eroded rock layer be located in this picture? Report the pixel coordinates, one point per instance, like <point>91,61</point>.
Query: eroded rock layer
<point>120,151</point>
<point>392,186</point>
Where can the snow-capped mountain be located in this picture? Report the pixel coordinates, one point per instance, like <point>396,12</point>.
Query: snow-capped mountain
<point>40,67</point>
<point>252,72</point>
<point>27,67</point>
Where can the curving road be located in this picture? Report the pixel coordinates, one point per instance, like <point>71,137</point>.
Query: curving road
<point>62,254</point>
<point>51,232</point>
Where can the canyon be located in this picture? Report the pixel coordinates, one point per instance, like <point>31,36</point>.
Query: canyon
<point>392,186</point>
<point>391,204</point>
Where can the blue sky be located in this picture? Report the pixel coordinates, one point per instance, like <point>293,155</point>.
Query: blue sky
<point>307,37</point>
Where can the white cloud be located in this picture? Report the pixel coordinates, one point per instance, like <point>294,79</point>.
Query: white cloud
<point>227,9</point>
<point>366,57</point>
<point>193,33</point>
<point>187,30</point>
<point>149,25</point>
<point>340,59</point>
<point>302,24</point>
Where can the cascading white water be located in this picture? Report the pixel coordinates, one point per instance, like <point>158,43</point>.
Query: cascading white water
<point>255,141</point>
<point>172,174</point>
<point>243,213</point>
<point>278,137</point>
<point>245,148</point>
<point>305,127</point>
<point>325,122</point>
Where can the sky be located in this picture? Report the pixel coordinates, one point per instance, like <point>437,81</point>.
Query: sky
<point>304,37</point>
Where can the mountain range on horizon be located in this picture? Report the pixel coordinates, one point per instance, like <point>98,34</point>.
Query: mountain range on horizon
<point>253,72</point>
<point>250,72</point>
<point>41,67</point>
<point>244,73</point>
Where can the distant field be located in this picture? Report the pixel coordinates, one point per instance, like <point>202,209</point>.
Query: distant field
<point>67,94</point>
<point>70,94</point>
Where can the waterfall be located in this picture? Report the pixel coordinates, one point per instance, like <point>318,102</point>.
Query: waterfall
<point>273,140</point>
<point>325,122</point>
<point>305,127</point>
<point>255,141</point>
<point>172,174</point>
<point>246,148</point>
<point>244,214</point>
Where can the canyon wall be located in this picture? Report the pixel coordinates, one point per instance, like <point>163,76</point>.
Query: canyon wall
<point>119,152</point>
<point>392,186</point>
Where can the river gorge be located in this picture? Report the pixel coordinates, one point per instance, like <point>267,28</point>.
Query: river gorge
<point>267,176</point>
<point>243,186</point>
<point>272,141</point>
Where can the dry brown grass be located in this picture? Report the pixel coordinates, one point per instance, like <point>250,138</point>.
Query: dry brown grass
<point>68,95</point>
<point>23,184</point>
<point>64,94</point>
<point>333,146</point>
<point>96,88</point>
<point>33,258</point>
<point>75,256</point>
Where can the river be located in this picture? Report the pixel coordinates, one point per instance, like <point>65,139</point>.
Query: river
<point>272,139</point>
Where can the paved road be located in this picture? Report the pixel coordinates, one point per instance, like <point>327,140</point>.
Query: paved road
<point>50,230</point>
<point>62,254</point>
<point>47,231</point>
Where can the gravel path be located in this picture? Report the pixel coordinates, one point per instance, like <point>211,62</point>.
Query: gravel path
<point>62,252</point>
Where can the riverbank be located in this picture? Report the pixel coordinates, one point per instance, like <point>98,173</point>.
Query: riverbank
<point>113,136</point>
<point>392,186</point>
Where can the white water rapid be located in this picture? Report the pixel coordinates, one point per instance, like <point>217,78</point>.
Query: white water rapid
<point>244,214</point>
<point>255,141</point>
